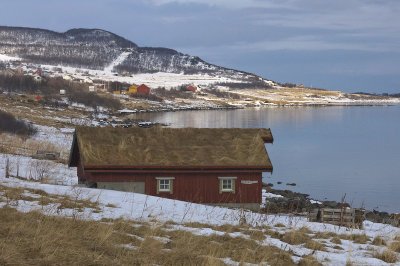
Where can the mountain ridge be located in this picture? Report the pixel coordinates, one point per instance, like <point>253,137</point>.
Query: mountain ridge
<point>97,48</point>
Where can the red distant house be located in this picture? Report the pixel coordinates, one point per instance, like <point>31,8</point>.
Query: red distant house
<point>143,90</point>
<point>38,98</point>
<point>191,88</point>
<point>211,166</point>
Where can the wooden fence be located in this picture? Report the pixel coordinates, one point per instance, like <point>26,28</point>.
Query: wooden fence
<point>342,216</point>
<point>48,155</point>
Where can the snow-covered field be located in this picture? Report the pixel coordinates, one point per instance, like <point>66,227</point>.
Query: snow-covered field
<point>57,179</point>
<point>308,96</point>
<point>6,58</point>
<point>148,208</point>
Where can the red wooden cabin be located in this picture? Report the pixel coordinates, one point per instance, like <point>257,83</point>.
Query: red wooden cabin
<point>203,165</point>
<point>143,90</point>
<point>191,88</point>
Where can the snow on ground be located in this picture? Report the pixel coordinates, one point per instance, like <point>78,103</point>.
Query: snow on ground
<point>298,96</point>
<point>121,58</point>
<point>153,80</point>
<point>144,207</point>
<point>61,137</point>
<point>147,208</point>
<point>35,169</point>
<point>6,58</point>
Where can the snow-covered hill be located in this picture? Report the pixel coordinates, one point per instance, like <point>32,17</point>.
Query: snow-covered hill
<point>100,49</point>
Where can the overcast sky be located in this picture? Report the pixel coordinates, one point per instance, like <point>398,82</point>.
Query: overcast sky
<point>351,45</point>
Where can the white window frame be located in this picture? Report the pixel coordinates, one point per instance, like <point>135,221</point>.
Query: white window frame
<point>166,185</point>
<point>227,184</point>
<point>170,184</point>
<point>232,184</point>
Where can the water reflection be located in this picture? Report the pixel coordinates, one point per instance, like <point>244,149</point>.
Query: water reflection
<point>258,117</point>
<point>328,152</point>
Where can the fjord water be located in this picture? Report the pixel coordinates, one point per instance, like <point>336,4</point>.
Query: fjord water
<point>329,152</point>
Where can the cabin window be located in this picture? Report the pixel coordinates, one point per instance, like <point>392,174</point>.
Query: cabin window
<point>227,184</point>
<point>165,184</point>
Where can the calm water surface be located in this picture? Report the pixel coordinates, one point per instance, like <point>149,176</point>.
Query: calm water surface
<point>329,152</point>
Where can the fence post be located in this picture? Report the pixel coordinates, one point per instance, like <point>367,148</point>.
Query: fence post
<point>7,168</point>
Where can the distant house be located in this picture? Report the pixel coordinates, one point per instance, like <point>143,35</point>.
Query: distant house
<point>92,88</point>
<point>38,98</point>
<point>215,166</point>
<point>132,89</point>
<point>38,72</point>
<point>191,88</point>
<point>88,80</point>
<point>143,90</point>
<point>68,77</point>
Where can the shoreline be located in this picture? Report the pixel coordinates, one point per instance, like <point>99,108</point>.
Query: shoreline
<point>287,201</point>
<point>266,106</point>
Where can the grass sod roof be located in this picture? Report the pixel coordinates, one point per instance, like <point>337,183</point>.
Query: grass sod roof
<point>172,147</point>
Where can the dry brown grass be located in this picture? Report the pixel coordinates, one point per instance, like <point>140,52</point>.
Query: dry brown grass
<point>395,246</point>
<point>378,241</point>
<point>386,255</point>
<point>336,240</point>
<point>256,234</point>
<point>314,245</point>
<point>169,146</point>
<point>12,195</point>
<point>228,228</point>
<point>12,144</point>
<point>279,225</point>
<point>33,238</point>
<point>305,230</point>
<point>309,261</point>
<point>295,237</point>
<point>324,235</point>
<point>37,114</point>
<point>356,238</point>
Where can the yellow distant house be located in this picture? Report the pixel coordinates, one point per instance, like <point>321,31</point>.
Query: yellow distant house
<point>116,92</point>
<point>132,89</point>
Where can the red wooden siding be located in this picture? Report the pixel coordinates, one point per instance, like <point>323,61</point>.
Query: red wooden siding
<point>191,88</point>
<point>195,187</point>
<point>143,90</point>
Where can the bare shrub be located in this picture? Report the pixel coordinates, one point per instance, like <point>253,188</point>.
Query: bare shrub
<point>8,123</point>
<point>39,170</point>
<point>173,93</point>
<point>93,100</point>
